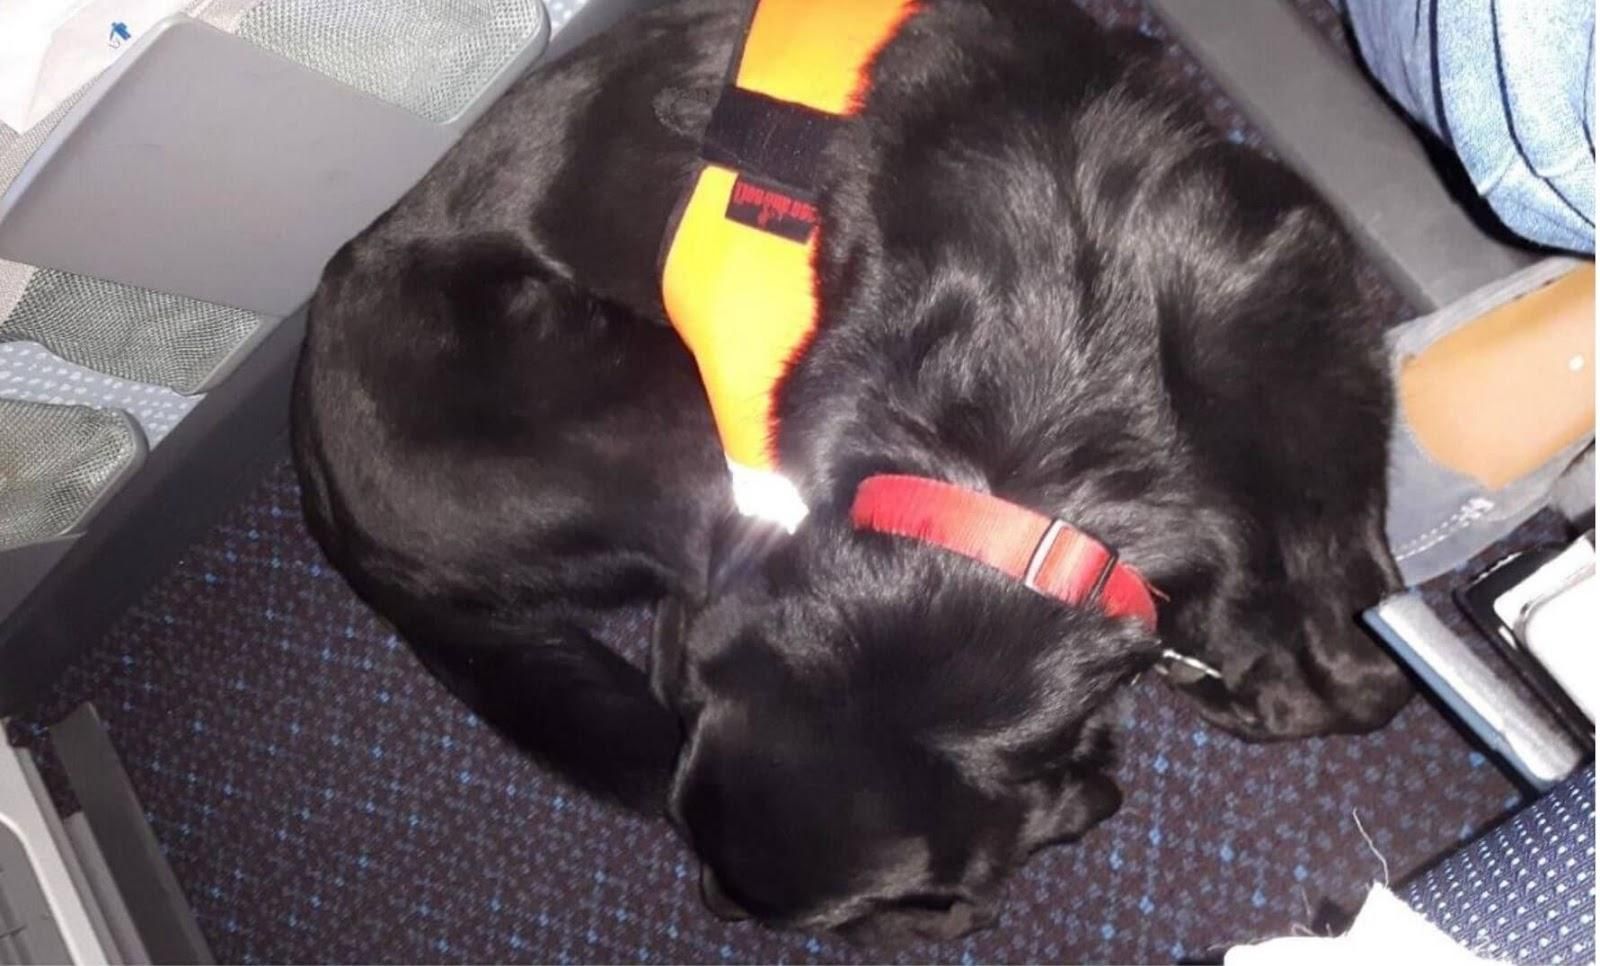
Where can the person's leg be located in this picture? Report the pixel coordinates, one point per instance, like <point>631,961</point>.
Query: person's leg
<point>1510,390</point>
<point>1496,399</point>
<point>1508,88</point>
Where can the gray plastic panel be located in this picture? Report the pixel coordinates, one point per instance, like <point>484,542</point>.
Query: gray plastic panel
<point>27,933</point>
<point>233,191</point>
<point>153,898</point>
<point>22,568</point>
<point>1326,119</point>
<point>120,930</point>
<point>26,810</point>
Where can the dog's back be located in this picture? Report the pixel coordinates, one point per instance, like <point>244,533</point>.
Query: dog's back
<point>495,454</point>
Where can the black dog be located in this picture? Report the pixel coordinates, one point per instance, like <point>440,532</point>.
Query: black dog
<point>1041,275</point>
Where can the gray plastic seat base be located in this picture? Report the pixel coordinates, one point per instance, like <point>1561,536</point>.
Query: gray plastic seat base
<point>204,166</point>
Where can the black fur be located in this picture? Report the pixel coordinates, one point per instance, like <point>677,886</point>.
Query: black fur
<point>1041,275</point>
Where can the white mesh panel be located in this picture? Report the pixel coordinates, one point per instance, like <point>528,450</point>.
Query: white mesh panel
<point>55,461</point>
<point>129,332</point>
<point>16,148</point>
<point>431,57</point>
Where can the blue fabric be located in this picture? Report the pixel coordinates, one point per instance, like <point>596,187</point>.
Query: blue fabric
<point>1525,891</point>
<point>1508,85</point>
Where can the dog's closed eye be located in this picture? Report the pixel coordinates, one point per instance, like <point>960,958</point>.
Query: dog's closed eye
<point>921,915</point>
<point>929,902</point>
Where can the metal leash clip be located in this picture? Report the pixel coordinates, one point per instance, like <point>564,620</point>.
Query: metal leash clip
<point>1171,658</point>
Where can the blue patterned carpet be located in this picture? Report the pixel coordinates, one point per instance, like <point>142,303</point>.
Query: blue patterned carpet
<point>321,799</point>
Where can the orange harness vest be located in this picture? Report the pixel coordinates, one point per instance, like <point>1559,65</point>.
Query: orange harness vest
<point>737,278</point>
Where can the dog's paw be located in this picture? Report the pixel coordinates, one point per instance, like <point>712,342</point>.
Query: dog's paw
<point>1275,700</point>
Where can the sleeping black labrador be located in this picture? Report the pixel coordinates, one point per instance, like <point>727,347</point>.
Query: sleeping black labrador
<point>1041,276</point>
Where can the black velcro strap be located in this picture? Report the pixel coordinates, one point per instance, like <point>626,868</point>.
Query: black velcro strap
<point>778,141</point>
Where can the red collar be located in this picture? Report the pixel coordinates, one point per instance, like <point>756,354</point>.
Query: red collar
<point>1048,556</point>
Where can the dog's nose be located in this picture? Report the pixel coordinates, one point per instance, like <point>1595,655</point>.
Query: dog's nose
<point>716,900</point>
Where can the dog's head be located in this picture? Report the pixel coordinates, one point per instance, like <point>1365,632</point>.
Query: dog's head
<point>878,731</point>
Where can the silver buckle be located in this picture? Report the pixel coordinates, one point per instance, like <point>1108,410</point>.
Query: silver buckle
<point>1052,533</point>
<point>1041,553</point>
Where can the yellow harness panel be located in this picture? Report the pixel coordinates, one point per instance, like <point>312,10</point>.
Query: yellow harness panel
<point>742,297</point>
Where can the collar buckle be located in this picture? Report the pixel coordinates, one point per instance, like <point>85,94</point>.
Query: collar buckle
<point>1041,551</point>
<point>1047,544</point>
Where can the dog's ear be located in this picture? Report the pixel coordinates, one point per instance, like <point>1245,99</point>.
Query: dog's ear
<point>737,549</point>
<point>1062,809</point>
<point>667,650</point>
<point>739,544</point>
